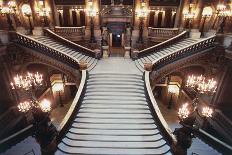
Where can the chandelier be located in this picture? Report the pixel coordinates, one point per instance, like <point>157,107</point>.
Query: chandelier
<point>10,8</point>
<point>202,85</point>
<point>27,82</point>
<point>184,111</point>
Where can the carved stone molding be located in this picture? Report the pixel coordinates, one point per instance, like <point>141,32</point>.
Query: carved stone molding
<point>207,60</point>
<point>20,57</point>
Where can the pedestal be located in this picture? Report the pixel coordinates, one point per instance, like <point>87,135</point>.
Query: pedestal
<point>210,33</point>
<point>21,30</point>
<point>105,51</point>
<point>83,65</point>
<point>195,34</point>
<point>4,37</point>
<point>135,54</point>
<point>97,53</point>
<point>127,52</point>
<point>38,31</point>
<point>148,66</point>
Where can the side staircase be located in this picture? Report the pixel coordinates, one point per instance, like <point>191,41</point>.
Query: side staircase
<point>152,57</point>
<point>71,52</point>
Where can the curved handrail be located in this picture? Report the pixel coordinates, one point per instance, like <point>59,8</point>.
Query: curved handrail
<point>171,137</point>
<point>191,49</point>
<point>200,45</point>
<point>47,50</point>
<point>71,44</point>
<point>74,106</point>
<point>163,44</point>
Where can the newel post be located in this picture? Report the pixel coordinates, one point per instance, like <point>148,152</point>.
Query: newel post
<point>148,66</point>
<point>83,65</point>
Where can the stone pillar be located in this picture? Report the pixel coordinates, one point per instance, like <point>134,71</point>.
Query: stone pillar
<point>135,54</point>
<point>78,18</point>
<point>179,15</point>
<point>127,52</point>
<point>105,51</point>
<point>66,16</point>
<point>156,18</point>
<point>163,19</point>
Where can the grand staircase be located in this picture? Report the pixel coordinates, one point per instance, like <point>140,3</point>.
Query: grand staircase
<point>114,117</point>
<point>151,57</point>
<point>71,52</point>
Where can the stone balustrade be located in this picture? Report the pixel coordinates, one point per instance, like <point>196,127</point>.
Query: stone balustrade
<point>71,44</point>
<point>161,34</point>
<point>46,50</point>
<point>187,51</point>
<point>162,45</point>
<point>71,33</point>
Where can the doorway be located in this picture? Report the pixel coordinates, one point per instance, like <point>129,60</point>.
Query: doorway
<point>116,40</point>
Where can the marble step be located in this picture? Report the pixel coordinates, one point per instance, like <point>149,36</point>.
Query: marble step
<point>114,111</point>
<point>114,102</point>
<point>114,115</point>
<point>128,98</point>
<point>114,132</point>
<point>115,79</point>
<point>106,75</point>
<point>115,86</point>
<point>120,94</point>
<point>100,144</point>
<point>109,138</point>
<point>102,89</point>
<point>114,126</point>
<point>114,121</point>
<point>112,106</point>
<point>112,151</point>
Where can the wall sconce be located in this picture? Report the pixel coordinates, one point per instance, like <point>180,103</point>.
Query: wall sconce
<point>43,12</point>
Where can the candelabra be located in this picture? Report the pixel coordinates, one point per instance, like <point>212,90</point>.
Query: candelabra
<point>224,14</point>
<point>92,13</point>
<point>187,115</point>
<point>29,83</point>
<point>141,14</point>
<point>189,16</point>
<point>43,12</point>
<point>206,14</point>
<point>8,10</point>
<point>26,10</point>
